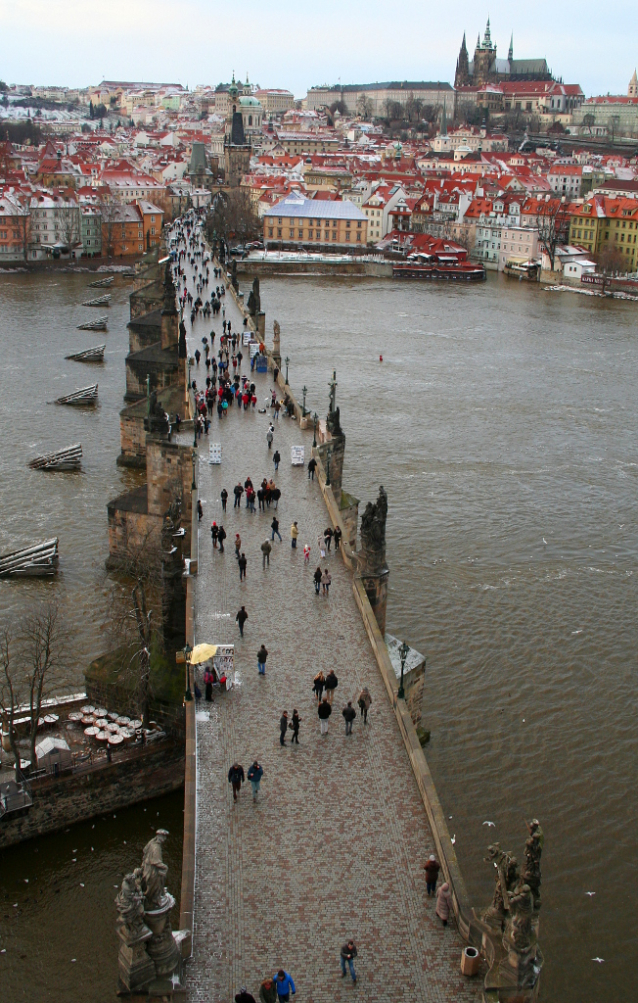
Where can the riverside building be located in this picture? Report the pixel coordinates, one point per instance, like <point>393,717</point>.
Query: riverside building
<point>314,223</point>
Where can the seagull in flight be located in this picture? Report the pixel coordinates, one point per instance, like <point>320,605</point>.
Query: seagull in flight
<point>489,823</point>
<point>453,840</point>
<point>599,960</point>
<point>590,893</point>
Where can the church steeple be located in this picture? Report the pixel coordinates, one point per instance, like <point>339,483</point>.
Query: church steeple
<point>462,75</point>
<point>510,54</point>
<point>487,38</point>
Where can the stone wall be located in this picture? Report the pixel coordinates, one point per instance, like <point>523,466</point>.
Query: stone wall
<point>74,797</point>
<point>159,364</point>
<point>130,526</point>
<point>132,439</point>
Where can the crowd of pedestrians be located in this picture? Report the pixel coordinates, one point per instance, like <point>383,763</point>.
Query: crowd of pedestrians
<point>222,393</point>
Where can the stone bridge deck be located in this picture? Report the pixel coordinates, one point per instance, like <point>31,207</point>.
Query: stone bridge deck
<point>335,846</point>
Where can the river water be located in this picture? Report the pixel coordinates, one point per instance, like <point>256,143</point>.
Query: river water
<point>57,917</point>
<point>503,422</point>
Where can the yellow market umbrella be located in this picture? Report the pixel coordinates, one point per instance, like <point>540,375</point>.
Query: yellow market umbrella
<point>202,653</point>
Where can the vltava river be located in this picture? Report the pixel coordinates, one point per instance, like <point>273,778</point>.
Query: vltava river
<point>503,422</point>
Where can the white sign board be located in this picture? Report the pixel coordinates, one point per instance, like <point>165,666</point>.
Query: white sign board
<point>224,664</point>
<point>215,452</point>
<point>254,349</point>
<point>248,337</point>
<point>297,456</point>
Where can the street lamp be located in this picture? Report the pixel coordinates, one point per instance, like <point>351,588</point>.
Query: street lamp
<point>188,651</point>
<point>315,418</point>
<point>304,392</point>
<point>287,360</point>
<point>404,651</point>
<point>328,455</point>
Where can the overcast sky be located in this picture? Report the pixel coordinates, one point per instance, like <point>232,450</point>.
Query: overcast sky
<point>295,45</point>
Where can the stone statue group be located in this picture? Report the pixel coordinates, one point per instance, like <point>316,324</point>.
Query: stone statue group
<point>148,949</point>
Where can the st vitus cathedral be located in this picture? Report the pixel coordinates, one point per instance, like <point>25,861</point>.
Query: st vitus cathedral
<point>485,67</point>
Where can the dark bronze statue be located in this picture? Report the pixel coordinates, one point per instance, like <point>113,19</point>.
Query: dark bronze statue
<point>254,299</point>
<point>373,524</point>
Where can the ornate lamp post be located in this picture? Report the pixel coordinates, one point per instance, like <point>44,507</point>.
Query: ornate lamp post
<point>304,391</point>
<point>287,360</point>
<point>315,419</point>
<point>328,455</point>
<point>404,651</point>
<point>188,651</point>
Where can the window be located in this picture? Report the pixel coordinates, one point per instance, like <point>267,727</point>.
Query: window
<point>279,221</point>
<point>358,236</point>
<point>152,219</point>
<point>279,232</point>
<point>140,247</point>
<point>347,235</point>
<point>292,234</point>
<point>359,224</point>
<point>347,223</point>
<point>270,231</point>
<point>309,234</point>
<point>301,235</point>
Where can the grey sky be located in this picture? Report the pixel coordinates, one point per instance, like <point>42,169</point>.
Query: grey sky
<point>296,45</point>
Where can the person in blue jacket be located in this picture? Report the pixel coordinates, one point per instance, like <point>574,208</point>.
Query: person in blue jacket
<point>284,984</point>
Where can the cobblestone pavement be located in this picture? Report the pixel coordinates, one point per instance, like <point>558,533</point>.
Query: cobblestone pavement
<point>335,845</point>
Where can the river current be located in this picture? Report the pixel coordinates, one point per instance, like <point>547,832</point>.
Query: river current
<point>503,423</point>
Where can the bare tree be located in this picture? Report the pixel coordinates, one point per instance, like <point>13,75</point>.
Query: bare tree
<point>364,107</point>
<point>233,217</point>
<point>547,217</point>
<point>38,641</point>
<point>589,120</point>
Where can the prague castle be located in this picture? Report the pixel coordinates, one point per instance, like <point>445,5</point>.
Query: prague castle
<point>487,68</point>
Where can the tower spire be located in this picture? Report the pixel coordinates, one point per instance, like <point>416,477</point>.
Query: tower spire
<point>510,54</point>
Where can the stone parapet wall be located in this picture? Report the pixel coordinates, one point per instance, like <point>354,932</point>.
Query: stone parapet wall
<point>75,797</point>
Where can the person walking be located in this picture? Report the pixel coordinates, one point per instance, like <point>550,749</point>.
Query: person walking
<point>236,778</point>
<point>306,553</point>
<point>283,727</point>
<point>324,711</point>
<point>243,996</point>
<point>242,566</point>
<point>327,535</point>
<point>294,533</point>
<point>266,547</point>
<point>349,714</point>
<point>238,491</point>
<point>348,954</point>
<point>431,869</point>
<point>240,619</point>
<point>331,684</point>
<point>276,459</point>
<point>200,511</point>
<point>312,466</point>
<point>255,773</point>
<point>237,545</point>
<point>294,725</point>
<point>214,531</point>
<point>337,537</point>
<point>443,903</point>
<point>270,436</point>
<point>317,580</point>
<point>318,684</point>
<point>275,528</point>
<point>284,985</point>
<point>364,702</point>
<point>221,536</point>
<point>326,580</point>
<point>268,991</point>
<point>262,655</point>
